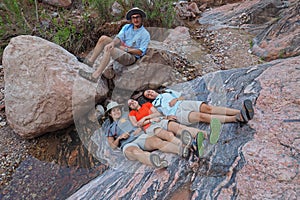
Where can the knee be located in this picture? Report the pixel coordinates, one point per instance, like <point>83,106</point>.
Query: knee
<point>164,134</point>
<point>202,117</point>
<point>103,38</point>
<point>155,143</point>
<point>206,108</point>
<point>169,135</point>
<point>132,152</point>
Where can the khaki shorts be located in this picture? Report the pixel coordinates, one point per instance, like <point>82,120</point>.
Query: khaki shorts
<point>139,142</point>
<point>162,124</point>
<point>123,57</point>
<point>184,110</point>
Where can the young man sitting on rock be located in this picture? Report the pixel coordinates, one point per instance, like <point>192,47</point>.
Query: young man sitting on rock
<point>127,47</point>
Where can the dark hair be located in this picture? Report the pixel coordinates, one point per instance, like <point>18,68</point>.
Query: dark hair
<point>159,91</point>
<point>109,117</point>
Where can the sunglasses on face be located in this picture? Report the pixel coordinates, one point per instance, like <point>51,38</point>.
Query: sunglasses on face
<point>136,17</point>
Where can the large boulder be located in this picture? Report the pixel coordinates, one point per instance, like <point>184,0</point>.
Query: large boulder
<point>275,22</point>
<point>262,155</point>
<point>40,79</point>
<point>280,39</point>
<point>273,156</point>
<point>43,92</point>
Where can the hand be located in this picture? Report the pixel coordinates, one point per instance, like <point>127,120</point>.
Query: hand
<point>110,46</point>
<point>137,131</point>
<point>156,119</point>
<point>141,122</point>
<point>173,102</point>
<point>124,136</point>
<point>172,117</point>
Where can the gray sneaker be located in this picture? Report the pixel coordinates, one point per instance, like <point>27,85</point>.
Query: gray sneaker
<point>186,138</point>
<point>87,76</point>
<point>157,162</point>
<point>88,63</point>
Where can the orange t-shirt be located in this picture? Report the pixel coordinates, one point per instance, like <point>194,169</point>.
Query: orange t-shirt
<point>145,110</point>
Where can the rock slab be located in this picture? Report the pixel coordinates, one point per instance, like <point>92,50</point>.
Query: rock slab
<point>39,84</point>
<point>262,155</point>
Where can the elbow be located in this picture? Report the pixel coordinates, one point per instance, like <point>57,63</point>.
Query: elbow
<point>113,146</point>
<point>139,53</point>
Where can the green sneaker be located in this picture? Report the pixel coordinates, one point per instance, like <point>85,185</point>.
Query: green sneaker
<point>200,146</point>
<point>215,129</point>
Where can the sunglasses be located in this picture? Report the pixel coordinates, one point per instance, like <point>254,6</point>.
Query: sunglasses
<point>136,17</point>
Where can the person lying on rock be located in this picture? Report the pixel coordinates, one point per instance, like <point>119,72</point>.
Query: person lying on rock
<point>134,142</point>
<point>147,117</point>
<point>187,112</point>
<point>127,47</point>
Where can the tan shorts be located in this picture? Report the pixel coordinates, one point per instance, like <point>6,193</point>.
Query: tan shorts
<point>162,124</point>
<point>123,57</point>
<point>185,108</point>
<point>139,142</point>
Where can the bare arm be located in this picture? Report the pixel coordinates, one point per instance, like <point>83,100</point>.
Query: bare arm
<point>111,45</point>
<point>139,123</point>
<point>114,143</point>
<point>155,113</point>
<point>131,50</point>
<point>116,41</point>
<point>173,101</point>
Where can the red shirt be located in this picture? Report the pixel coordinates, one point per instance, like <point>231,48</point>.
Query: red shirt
<point>145,110</point>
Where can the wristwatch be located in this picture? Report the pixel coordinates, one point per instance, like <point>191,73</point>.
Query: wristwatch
<point>126,49</point>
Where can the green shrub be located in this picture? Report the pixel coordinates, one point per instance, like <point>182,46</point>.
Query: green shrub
<point>159,12</point>
<point>20,17</point>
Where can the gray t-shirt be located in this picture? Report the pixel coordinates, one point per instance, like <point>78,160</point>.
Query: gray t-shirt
<point>121,126</point>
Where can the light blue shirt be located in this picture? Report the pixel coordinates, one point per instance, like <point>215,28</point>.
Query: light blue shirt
<point>138,39</point>
<point>161,102</point>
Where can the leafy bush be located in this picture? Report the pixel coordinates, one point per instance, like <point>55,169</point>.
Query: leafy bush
<point>74,32</point>
<point>159,12</point>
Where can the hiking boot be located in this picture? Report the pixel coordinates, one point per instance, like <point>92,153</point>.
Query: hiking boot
<point>242,116</point>
<point>248,107</point>
<point>88,63</point>
<point>87,75</point>
<point>157,162</point>
<point>85,61</point>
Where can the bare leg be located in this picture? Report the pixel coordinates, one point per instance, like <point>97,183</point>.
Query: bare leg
<point>102,42</point>
<point>204,108</point>
<point>167,135</point>
<point>135,153</point>
<point>153,143</point>
<point>104,62</point>
<point>178,128</point>
<point>118,55</point>
<point>206,118</point>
